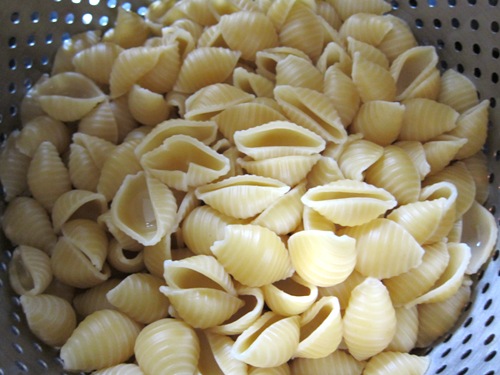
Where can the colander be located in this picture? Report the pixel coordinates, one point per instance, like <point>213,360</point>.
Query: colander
<point>466,34</point>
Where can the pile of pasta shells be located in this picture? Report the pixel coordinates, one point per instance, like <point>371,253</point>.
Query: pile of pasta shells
<point>247,187</point>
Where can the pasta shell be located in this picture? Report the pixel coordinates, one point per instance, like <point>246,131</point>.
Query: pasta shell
<point>101,123</point>
<point>378,245</point>
<point>144,208</point>
<point>398,40</point>
<point>215,355</point>
<point>155,255</point>
<point>253,242</point>
<point>334,54</point>
<point>416,152</point>
<point>253,83</point>
<point>340,360</point>
<point>348,202</point>
<point>346,8</point>
<point>388,362</point>
<point>212,37</point>
<point>94,299</point>
<point>357,157</point>
<point>267,60</point>
<point>124,241</point>
<point>298,72</point>
<point>340,88</point>
<point>291,296</point>
<point>69,96</point>
<point>50,318</point>
<point>457,91</point>
<point>161,78</point>
<point>449,192</point>
<point>269,342</point>
<point>406,330</point>
<point>29,271</point>
<point>441,151</point>
<point>124,120</point>
<point>64,55</point>
<point>232,195</point>
<point>147,107</point>
<point>130,29</point>
<point>325,170</point>
<point>121,369</point>
<point>205,66</point>
<point>373,81</point>
<point>13,168</point>
<point>168,345</point>
<point>343,290</point>
<point>367,52</point>
<point>311,110</point>
<point>278,12</point>
<point>98,149</point>
<point>320,329</point>
<point>97,61</point>
<point>369,320</point>
<point>328,12</point>
<point>22,213</point>
<point>59,289</point>
<point>321,257</point>
<point>124,261</point>
<point>83,172</point>
<point>30,107</point>
<point>312,219</point>
<point>104,338</point>
<point>199,164</point>
<point>366,27</point>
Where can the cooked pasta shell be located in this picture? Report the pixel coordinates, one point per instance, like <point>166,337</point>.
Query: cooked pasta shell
<point>325,170</point>
<point>343,290</point>
<point>69,96</point>
<point>367,52</point>
<point>77,204</point>
<point>266,60</point>
<point>312,219</point>
<point>124,260</point>
<point>161,78</point>
<point>144,208</point>
<point>155,255</point>
<point>198,165</point>
<point>369,319</point>
<point>373,81</point>
<point>167,345</point>
<point>215,355</point>
<point>349,202</point>
<point>448,191</point>
<point>131,30</point>
<point>98,149</point>
<point>22,213</point>
<point>297,72</point>
<point>396,173</point>
<point>320,329</point>
<point>83,172</point>
<point>321,257</point>
<point>68,49</point>
<point>457,91</point>
<point>47,176</point>
<point>211,37</point>
<point>121,369</point>
<point>29,271</point>
<point>103,339</point>
<point>412,284</point>
<point>13,168</point>
<point>50,318</point>
<point>278,12</point>
<point>379,121</point>
<point>416,152</point>
<point>232,196</point>
<point>97,61</point>
<point>204,131</point>
<point>258,246</point>
<point>30,108</point>
<point>94,299</point>
<point>311,110</point>
<point>441,150</point>
<point>147,107</point>
<point>334,54</point>
<point>357,157</point>
<point>253,83</point>
<point>328,12</point>
<point>123,117</point>
<point>340,88</point>
<point>346,8</point>
<point>205,66</point>
<point>388,362</point>
<point>270,341</point>
<point>101,123</point>
<point>124,240</point>
<point>291,296</point>
<point>406,330</point>
<point>378,245</point>
<point>340,360</point>
<point>366,27</point>
<point>399,39</point>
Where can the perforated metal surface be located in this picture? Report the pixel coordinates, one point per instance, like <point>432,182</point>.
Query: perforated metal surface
<point>466,34</point>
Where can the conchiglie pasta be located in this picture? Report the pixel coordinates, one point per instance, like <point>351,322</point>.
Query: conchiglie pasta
<point>346,8</point>
<point>457,91</point>
<point>130,29</point>
<point>340,88</point>
<point>97,61</point>
<point>399,39</point>
<point>147,107</point>
<point>440,151</point>
<point>94,299</point>
<point>101,123</point>
<point>121,369</point>
<point>298,72</point>
<point>13,167</point>
<point>367,52</point>
<point>357,157</point>
<point>388,362</point>
<point>405,338</point>
<point>124,260</point>
<point>155,255</point>
<point>373,81</point>
<point>253,83</point>
<point>340,360</point>
<point>29,270</point>
<point>416,152</point>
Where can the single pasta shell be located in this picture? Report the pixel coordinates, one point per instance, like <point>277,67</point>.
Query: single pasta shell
<point>78,42</point>
<point>99,149</point>
<point>122,369</point>
<point>373,81</point>
<point>340,88</point>
<point>167,345</point>
<point>321,257</point>
<point>253,83</point>
<point>387,362</point>
<point>346,8</point>
<point>123,239</point>
<point>367,52</point>
<point>357,157</point>
<point>416,152</point>
<point>365,27</point>
<point>291,296</point>
<point>267,59</point>
<point>312,219</point>
<point>349,202</point>
<point>13,168</point>
<point>325,170</point>
<point>22,213</point>
<point>144,208</point>
<point>369,319</point>
<point>343,290</point>
<point>330,14</point>
<point>298,72</point>
<point>124,260</point>
<point>99,123</point>
<point>155,255</point>
<point>405,338</point>
<point>320,329</point>
<point>269,342</point>
<point>399,39</point>
<point>131,30</point>
<point>457,91</point>
<point>94,299</point>
<point>334,54</point>
<point>379,245</point>
<point>441,150</point>
<point>29,107</point>
<point>104,338</point>
<point>50,318</point>
<point>147,107</point>
<point>340,360</point>
<point>232,196</point>
<point>29,271</point>
<point>97,61</point>
<point>161,78</point>
<point>257,245</point>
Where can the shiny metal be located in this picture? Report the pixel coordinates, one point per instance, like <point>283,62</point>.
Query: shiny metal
<point>466,34</point>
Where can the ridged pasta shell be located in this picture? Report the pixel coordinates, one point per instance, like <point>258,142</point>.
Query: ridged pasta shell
<point>325,170</point>
<point>340,88</point>
<point>104,338</point>
<point>215,355</point>
<point>77,204</point>
<point>22,213</point>
<point>340,360</point>
<point>253,83</point>
<point>124,240</point>
<point>322,258</point>
<point>346,8</point>
<point>121,369</point>
<point>147,107</point>
<point>416,152</point>
<point>211,37</point>
<point>64,55</point>
<point>334,54</point>
<point>258,246</point>
<point>388,362</point>
<point>97,61</point>
<point>357,157</point>
<point>328,12</point>
<point>349,202</point>
<point>144,208</point>
<point>343,290</point>
<point>379,121</point>
<point>232,196</point>
<point>29,271</point>
<point>205,66</point>
<point>367,52</point>
<point>98,149</point>
<point>161,78</point>
<point>47,176</point>
<point>291,296</point>
<point>399,39</point>
<point>373,81</point>
<point>312,219</point>
<point>367,28</point>
<point>297,72</point>
<point>131,30</point>
<point>123,117</point>
<point>407,286</point>
<point>13,168</point>
<point>457,91</point>
<point>50,318</point>
<point>155,255</point>
<point>440,151</point>
<point>69,96</point>
<point>29,107</point>
<point>405,338</point>
<point>378,245</point>
<point>270,341</point>
<point>266,60</point>
<point>278,11</point>
<point>369,319</point>
<point>124,260</point>
<point>448,191</point>
<point>94,299</point>
<point>167,345</point>
<point>101,123</point>
<point>198,165</point>
<point>311,110</point>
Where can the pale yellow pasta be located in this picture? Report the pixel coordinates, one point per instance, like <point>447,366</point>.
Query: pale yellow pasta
<point>312,219</point>
<point>283,369</point>
<point>155,255</point>
<point>123,239</point>
<point>343,290</point>
<point>269,342</point>
<point>457,91</point>
<point>94,299</point>
<point>167,345</point>
<point>47,176</point>
<point>216,356</point>
<point>124,260</point>
<point>50,318</point>
<point>121,369</point>
<point>399,39</point>
<point>13,167</point>
<point>298,72</point>
<point>416,152</point>
<point>329,13</point>
<point>124,120</point>
<point>211,37</point>
<point>387,363</point>
<point>266,60</point>
<point>357,157</point>
<point>291,296</point>
<point>440,151</point>
<point>334,54</point>
<point>104,338</point>
<point>97,61</point>
<point>378,246</point>
<point>253,242</point>
<point>83,172</point>
<point>101,123</point>
<point>367,52</point>
<point>25,212</point>
<point>366,27</point>
<point>340,88</point>
<point>29,107</point>
<point>253,83</point>
<point>130,29</point>
<point>98,149</point>
<point>340,360</point>
<point>278,12</point>
<point>29,271</point>
<point>405,337</point>
<point>373,81</point>
<point>147,107</point>
<point>162,77</point>
<point>324,171</point>
<point>64,55</point>
<point>346,8</point>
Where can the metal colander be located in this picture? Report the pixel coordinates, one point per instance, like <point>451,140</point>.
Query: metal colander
<point>466,34</point>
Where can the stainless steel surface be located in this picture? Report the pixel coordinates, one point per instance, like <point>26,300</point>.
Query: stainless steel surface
<point>466,34</point>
